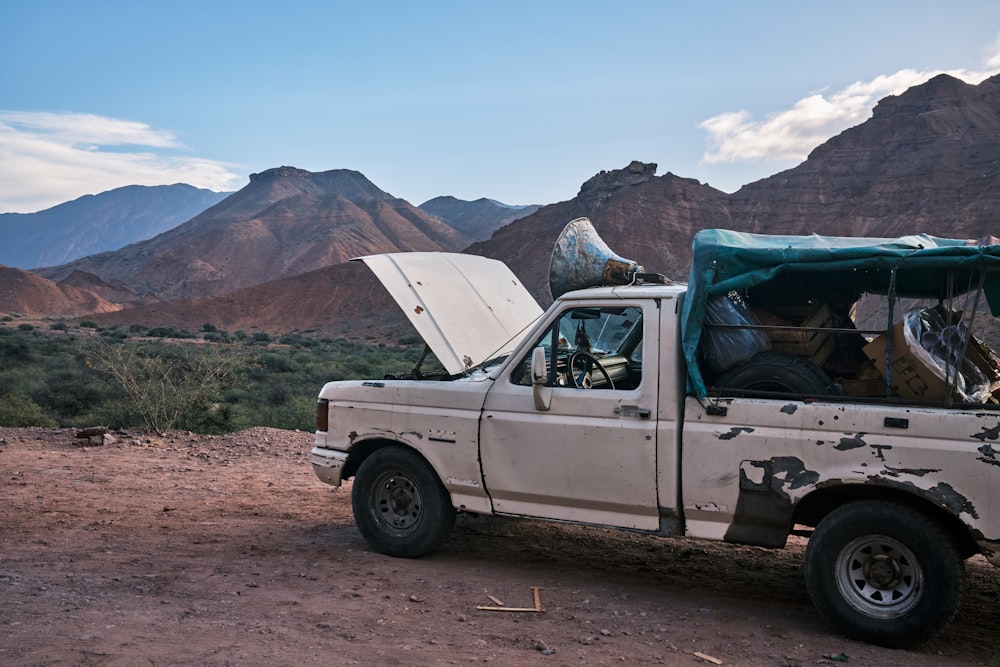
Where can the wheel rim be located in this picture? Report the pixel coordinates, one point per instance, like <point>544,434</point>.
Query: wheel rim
<point>397,502</point>
<point>879,576</point>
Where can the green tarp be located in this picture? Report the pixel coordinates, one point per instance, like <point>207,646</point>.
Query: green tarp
<point>830,269</point>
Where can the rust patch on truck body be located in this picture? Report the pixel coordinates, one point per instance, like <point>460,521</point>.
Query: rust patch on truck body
<point>851,442</point>
<point>991,433</point>
<point>889,471</point>
<point>941,494</point>
<point>763,511</point>
<point>735,431</point>
<point>989,455</point>
<point>946,496</point>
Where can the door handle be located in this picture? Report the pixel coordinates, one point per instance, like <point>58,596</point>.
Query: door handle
<point>632,411</point>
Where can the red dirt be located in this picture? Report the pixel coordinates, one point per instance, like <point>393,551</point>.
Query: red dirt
<point>226,550</point>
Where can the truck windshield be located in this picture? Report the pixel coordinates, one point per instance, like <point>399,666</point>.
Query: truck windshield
<point>600,331</point>
<point>610,335</point>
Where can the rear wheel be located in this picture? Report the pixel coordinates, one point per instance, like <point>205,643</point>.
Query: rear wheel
<point>400,505</point>
<point>884,573</point>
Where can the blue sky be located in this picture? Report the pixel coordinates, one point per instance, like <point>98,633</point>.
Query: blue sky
<point>517,101</point>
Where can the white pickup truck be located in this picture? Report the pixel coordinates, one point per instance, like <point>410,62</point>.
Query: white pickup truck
<point>745,406</point>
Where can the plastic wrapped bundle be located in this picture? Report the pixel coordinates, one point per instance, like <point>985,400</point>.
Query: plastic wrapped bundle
<point>724,347</point>
<point>940,346</point>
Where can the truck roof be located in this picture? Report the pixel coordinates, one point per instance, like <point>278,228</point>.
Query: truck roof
<point>641,291</point>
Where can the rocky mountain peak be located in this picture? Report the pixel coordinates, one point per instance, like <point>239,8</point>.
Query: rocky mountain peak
<point>942,91</point>
<point>601,186</point>
<point>279,172</point>
<point>284,182</point>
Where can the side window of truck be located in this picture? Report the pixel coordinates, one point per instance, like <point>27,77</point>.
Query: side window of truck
<point>593,348</point>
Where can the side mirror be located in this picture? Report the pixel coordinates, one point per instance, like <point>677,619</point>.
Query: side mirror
<point>539,375</point>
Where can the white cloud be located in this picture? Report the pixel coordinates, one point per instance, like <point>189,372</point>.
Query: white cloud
<point>992,59</point>
<point>49,158</point>
<point>736,137</point>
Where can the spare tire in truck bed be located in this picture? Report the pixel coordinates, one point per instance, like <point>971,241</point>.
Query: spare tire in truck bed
<point>778,372</point>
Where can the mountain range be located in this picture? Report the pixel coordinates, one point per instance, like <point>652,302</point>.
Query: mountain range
<point>98,223</point>
<point>272,256</point>
<point>476,219</point>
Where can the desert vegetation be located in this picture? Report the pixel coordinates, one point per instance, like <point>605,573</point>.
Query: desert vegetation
<point>64,374</point>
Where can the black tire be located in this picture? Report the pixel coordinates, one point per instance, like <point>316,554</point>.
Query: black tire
<point>884,573</point>
<point>400,505</point>
<point>778,372</point>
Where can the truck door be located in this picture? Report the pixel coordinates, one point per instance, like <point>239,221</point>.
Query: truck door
<point>591,457</point>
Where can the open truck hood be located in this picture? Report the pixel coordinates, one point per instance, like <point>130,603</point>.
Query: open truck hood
<point>467,308</point>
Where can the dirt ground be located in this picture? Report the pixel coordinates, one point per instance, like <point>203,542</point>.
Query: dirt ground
<point>226,550</point>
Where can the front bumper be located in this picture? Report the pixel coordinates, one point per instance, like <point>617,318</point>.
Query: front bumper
<point>328,464</point>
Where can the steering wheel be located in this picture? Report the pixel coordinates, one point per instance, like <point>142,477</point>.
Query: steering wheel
<point>589,362</point>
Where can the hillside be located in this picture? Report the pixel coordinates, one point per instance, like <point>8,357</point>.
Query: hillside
<point>928,160</point>
<point>98,223</point>
<point>285,222</point>
<point>644,217</point>
<point>28,294</point>
<point>344,299</point>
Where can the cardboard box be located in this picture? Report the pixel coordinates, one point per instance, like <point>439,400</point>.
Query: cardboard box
<point>868,381</point>
<point>910,377</point>
<point>817,346</point>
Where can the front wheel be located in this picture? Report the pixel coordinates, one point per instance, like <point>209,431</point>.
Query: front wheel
<point>399,504</point>
<point>884,573</point>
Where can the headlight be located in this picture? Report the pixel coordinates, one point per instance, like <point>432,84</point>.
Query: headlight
<point>322,414</point>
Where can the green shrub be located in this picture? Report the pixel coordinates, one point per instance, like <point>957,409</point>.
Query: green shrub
<point>114,333</point>
<point>15,350</point>
<point>71,391</point>
<point>19,410</point>
<point>170,384</point>
<point>169,331</point>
